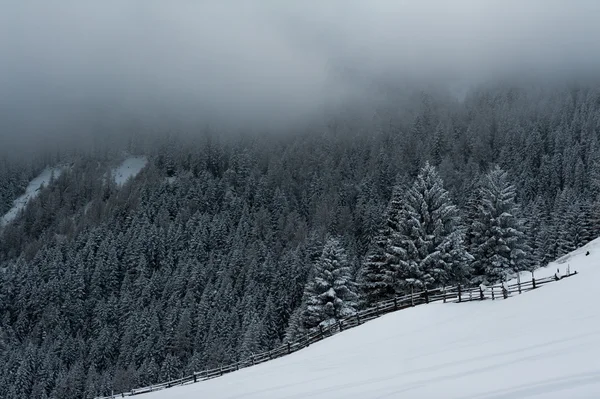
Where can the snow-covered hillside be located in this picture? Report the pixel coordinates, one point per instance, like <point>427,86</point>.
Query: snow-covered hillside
<point>544,343</point>
<point>129,169</point>
<point>31,192</point>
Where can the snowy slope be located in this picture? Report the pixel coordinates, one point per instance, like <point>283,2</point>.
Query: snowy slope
<point>542,344</point>
<point>129,169</point>
<point>31,192</point>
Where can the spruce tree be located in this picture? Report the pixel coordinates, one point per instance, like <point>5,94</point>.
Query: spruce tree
<point>295,328</point>
<point>498,244</point>
<point>379,272</point>
<point>330,295</point>
<point>429,241</point>
<point>378,275</point>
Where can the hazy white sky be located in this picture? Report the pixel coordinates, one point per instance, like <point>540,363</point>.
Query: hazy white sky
<point>251,61</point>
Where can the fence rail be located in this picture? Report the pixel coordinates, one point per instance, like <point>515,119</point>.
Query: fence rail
<point>456,294</point>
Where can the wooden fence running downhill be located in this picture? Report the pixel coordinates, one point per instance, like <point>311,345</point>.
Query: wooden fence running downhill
<point>456,294</point>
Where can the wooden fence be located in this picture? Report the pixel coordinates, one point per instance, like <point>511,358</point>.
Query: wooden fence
<point>455,294</point>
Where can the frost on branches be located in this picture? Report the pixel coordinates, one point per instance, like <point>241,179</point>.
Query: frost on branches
<point>379,273</point>
<point>429,236</point>
<point>330,295</point>
<point>498,240</point>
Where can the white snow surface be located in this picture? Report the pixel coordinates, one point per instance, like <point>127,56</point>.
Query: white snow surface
<point>31,192</point>
<point>129,169</point>
<point>541,344</point>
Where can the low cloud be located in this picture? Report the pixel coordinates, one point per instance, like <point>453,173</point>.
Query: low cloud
<point>83,67</point>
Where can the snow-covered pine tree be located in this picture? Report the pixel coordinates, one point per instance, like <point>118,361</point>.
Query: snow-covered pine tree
<point>537,233</point>
<point>564,219</point>
<point>295,328</point>
<point>593,215</point>
<point>589,231</point>
<point>429,241</point>
<point>330,295</point>
<point>498,240</point>
<point>378,275</point>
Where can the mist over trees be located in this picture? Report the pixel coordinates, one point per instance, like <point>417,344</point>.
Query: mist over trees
<point>221,248</point>
<point>82,71</point>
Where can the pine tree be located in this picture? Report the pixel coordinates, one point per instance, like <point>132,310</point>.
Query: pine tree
<point>252,337</point>
<point>536,231</point>
<point>564,220</point>
<point>586,218</point>
<point>377,281</point>
<point>25,375</point>
<point>378,275</point>
<point>170,368</point>
<point>295,328</point>
<point>499,243</point>
<point>330,295</point>
<point>429,240</point>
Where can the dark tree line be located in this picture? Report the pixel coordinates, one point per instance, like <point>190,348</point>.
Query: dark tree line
<point>222,248</point>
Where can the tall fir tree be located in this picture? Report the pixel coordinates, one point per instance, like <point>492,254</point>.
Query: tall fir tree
<point>331,294</point>
<point>498,240</point>
<point>429,240</point>
<point>380,269</point>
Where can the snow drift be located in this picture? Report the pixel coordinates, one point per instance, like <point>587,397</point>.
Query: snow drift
<point>543,343</point>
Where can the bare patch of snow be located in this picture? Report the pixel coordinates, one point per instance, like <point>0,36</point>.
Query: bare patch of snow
<point>129,169</point>
<point>31,192</point>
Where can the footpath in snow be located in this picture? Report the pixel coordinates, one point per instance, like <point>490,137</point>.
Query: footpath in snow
<point>31,192</point>
<point>541,344</point>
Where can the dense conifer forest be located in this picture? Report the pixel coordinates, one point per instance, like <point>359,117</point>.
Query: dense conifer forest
<point>226,246</point>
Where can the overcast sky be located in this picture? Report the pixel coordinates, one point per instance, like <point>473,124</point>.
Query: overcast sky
<point>82,65</point>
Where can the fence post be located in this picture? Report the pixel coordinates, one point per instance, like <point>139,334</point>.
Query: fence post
<point>321,331</point>
<point>493,298</point>
<point>519,282</point>
<point>426,295</point>
<point>289,348</point>
<point>221,369</point>
<point>252,359</point>
<point>412,295</point>
<point>340,326</point>
<point>444,293</point>
<point>459,294</point>
<point>470,295</point>
<point>533,279</point>
<point>357,319</point>
<point>195,378</point>
<point>504,291</point>
<point>237,365</point>
<point>270,357</point>
<point>395,303</point>
<point>480,293</point>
